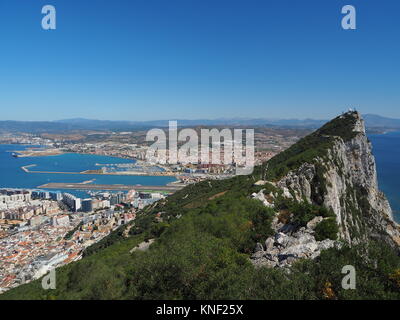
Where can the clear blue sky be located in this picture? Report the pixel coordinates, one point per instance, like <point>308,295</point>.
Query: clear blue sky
<point>191,59</point>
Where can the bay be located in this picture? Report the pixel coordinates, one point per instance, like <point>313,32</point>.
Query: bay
<point>12,176</point>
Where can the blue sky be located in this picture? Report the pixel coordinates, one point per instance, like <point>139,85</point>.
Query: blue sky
<point>191,59</point>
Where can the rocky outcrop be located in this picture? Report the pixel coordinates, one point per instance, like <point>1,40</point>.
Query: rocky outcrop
<point>345,180</point>
<point>260,196</point>
<point>290,244</point>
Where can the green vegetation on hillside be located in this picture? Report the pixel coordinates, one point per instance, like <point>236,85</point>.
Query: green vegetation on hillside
<point>304,212</point>
<point>190,264</point>
<point>203,254</point>
<point>300,213</point>
<point>204,235</point>
<point>326,229</point>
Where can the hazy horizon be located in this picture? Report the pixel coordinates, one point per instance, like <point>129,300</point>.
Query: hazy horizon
<point>194,119</point>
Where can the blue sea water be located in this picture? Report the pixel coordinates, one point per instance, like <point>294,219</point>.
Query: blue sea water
<point>386,149</point>
<point>12,176</point>
<point>73,162</point>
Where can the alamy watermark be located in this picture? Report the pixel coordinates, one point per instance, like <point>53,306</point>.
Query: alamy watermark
<point>49,280</point>
<point>49,20</point>
<point>348,22</point>
<point>349,280</point>
<point>215,147</point>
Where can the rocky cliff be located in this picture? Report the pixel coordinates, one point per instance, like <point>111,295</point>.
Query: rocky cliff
<point>342,177</point>
<point>345,180</point>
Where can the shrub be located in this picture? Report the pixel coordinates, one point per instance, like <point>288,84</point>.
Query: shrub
<point>395,278</point>
<point>303,212</point>
<point>327,229</point>
<point>326,213</point>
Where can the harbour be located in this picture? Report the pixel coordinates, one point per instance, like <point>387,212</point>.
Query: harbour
<point>69,168</point>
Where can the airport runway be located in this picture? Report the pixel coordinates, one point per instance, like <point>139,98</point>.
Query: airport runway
<point>113,187</point>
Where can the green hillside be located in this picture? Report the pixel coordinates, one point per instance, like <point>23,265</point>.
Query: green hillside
<point>204,235</point>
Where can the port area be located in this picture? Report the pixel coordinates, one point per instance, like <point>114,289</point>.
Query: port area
<point>112,187</point>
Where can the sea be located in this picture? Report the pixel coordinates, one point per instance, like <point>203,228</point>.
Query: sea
<point>12,176</point>
<point>386,149</point>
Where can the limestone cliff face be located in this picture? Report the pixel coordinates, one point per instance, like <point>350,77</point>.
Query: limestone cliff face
<point>345,180</point>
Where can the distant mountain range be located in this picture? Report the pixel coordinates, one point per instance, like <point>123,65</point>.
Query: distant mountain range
<point>375,121</point>
<point>372,121</point>
<point>88,123</point>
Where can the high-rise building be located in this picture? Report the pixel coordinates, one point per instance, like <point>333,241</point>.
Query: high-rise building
<point>71,201</point>
<point>87,205</point>
<point>44,195</point>
<point>117,198</point>
<point>35,194</point>
<point>56,196</point>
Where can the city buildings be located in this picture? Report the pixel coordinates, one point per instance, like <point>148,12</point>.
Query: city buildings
<point>60,221</point>
<point>41,230</point>
<point>71,201</point>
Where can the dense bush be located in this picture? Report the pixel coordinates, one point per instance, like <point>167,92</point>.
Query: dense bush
<point>304,211</point>
<point>326,229</point>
